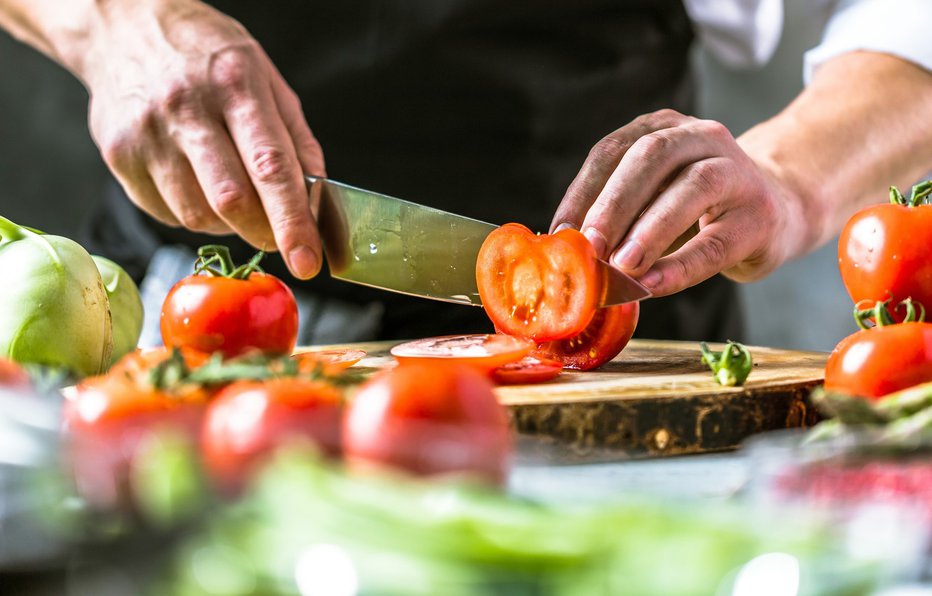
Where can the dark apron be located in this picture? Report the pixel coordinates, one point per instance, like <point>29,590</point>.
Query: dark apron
<point>481,107</point>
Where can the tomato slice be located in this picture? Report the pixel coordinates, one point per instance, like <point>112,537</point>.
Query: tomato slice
<point>607,335</point>
<point>332,361</point>
<point>483,351</point>
<point>543,287</point>
<point>528,370</point>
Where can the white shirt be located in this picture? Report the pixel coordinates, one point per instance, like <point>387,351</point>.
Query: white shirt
<point>745,33</point>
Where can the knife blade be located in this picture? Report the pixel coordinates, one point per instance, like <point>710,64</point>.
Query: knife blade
<point>380,241</point>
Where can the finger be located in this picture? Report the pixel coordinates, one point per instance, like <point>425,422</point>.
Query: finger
<point>718,246</point>
<point>142,191</point>
<point>695,191</point>
<point>178,186</point>
<point>601,162</point>
<point>310,154</point>
<point>646,168</point>
<point>271,162</point>
<point>225,185</point>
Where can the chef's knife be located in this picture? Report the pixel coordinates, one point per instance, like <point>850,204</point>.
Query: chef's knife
<point>383,242</point>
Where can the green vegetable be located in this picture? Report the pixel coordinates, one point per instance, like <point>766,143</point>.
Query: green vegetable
<point>54,310</point>
<point>730,367</point>
<point>125,307</point>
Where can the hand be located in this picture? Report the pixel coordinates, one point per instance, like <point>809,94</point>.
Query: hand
<point>200,128</point>
<point>651,182</point>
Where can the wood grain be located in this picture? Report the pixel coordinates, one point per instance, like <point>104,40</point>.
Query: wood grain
<point>655,398</point>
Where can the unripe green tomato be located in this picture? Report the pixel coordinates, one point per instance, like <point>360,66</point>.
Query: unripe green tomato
<point>125,307</point>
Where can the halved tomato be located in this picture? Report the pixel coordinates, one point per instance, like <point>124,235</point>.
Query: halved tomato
<point>528,370</point>
<point>482,351</point>
<point>606,335</point>
<point>544,287</point>
<point>331,361</point>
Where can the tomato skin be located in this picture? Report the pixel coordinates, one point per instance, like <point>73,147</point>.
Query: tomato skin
<point>429,419</point>
<point>542,287</point>
<point>13,375</point>
<point>484,352</point>
<point>874,362</point>
<point>528,370</point>
<point>232,316</point>
<point>883,254</point>
<point>604,338</point>
<point>248,420</point>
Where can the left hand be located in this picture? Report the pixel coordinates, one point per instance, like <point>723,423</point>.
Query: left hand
<point>651,181</point>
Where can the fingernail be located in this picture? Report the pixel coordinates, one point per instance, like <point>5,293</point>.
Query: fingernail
<point>303,262</point>
<point>564,226</point>
<point>651,279</point>
<point>629,256</point>
<point>597,240</point>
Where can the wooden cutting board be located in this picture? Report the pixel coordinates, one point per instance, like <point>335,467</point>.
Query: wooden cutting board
<point>655,398</point>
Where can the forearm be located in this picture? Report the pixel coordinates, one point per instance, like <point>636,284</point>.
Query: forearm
<point>864,123</point>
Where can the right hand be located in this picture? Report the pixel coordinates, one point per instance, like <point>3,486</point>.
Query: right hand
<point>200,128</point>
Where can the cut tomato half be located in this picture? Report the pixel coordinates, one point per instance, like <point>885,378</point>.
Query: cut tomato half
<point>528,370</point>
<point>331,361</point>
<point>606,335</point>
<point>484,351</point>
<point>543,287</point>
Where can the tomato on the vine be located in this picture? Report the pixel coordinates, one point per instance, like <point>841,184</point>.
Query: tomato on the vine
<point>544,287</point>
<point>231,310</point>
<point>883,249</point>
<point>429,419</point>
<point>604,338</point>
<point>248,420</point>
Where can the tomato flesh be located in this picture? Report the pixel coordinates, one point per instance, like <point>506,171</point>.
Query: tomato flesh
<point>232,316</point>
<point>604,338</point>
<point>874,362</point>
<point>543,287</point>
<point>481,351</point>
<point>331,361</point>
<point>528,370</point>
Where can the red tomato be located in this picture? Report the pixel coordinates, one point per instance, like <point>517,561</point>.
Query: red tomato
<point>481,351</point>
<point>429,419</point>
<point>247,420</point>
<point>232,316</point>
<point>883,254</point>
<point>528,370</point>
<point>874,362</point>
<point>331,361</point>
<point>13,375</point>
<point>607,335</point>
<point>544,287</point>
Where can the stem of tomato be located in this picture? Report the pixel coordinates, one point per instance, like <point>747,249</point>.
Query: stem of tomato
<point>918,196</point>
<point>732,366</point>
<point>219,255</point>
<point>879,313</point>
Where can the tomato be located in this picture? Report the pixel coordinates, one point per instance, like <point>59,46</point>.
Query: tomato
<point>543,287</point>
<point>530,369</point>
<point>606,335</point>
<point>883,254</point>
<point>232,311</point>
<point>13,375</point>
<point>481,351</point>
<point>429,419</point>
<point>874,362</point>
<point>248,419</point>
<point>142,360</point>
<point>330,361</point>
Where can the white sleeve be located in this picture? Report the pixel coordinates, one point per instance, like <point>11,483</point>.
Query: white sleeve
<point>902,28</point>
<point>740,33</point>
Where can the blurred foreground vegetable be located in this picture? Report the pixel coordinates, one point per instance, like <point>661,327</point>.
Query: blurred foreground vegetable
<point>54,310</point>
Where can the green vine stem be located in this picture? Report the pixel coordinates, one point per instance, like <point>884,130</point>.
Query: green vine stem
<point>920,195</point>
<point>879,313</point>
<point>215,260</point>
<point>731,366</point>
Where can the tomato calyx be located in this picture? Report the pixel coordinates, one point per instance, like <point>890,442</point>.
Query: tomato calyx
<point>921,194</point>
<point>880,315</point>
<point>731,366</point>
<point>215,260</point>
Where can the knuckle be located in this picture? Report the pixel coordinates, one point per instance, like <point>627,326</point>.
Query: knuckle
<point>229,199</point>
<point>706,178</point>
<point>715,129</point>
<point>607,149</point>
<point>651,147</point>
<point>270,165</point>
<point>177,98</point>
<point>197,220</point>
<point>231,68</point>
<point>714,251</point>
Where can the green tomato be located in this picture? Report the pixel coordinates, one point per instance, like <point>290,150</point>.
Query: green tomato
<point>54,309</point>
<point>125,307</point>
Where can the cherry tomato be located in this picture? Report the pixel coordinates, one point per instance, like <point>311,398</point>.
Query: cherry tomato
<point>528,370</point>
<point>481,351</point>
<point>331,361</point>
<point>883,253</point>
<point>141,361</point>
<point>874,362</point>
<point>429,419</point>
<point>606,335</point>
<point>543,287</point>
<point>13,375</point>
<point>248,419</point>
